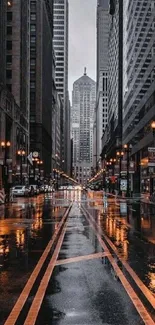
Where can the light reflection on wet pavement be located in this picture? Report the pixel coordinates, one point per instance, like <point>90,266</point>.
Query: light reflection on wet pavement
<point>79,293</point>
<point>25,229</point>
<point>84,293</point>
<point>131,227</point>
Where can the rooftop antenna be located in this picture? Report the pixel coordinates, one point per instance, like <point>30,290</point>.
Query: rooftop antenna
<point>85,71</point>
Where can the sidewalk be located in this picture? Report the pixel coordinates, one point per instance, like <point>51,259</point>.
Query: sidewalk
<point>145,198</point>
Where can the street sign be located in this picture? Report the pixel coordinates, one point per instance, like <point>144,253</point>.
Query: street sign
<point>8,161</point>
<point>123,167</point>
<point>123,184</point>
<point>131,167</point>
<point>29,157</point>
<point>151,157</point>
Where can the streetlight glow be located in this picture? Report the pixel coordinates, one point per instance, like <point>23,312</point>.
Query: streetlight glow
<point>2,144</point>
<point>153,125</point>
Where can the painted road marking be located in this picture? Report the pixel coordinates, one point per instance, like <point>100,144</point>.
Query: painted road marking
<point>38,299</point>
<point>81,258</point>
<point>12,318</point>
<point>132,273</point>
<point>133,296</point>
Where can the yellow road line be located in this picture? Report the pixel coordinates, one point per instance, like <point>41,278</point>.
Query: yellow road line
<point>12,318</point>
<point>81,258</point>
<point>132,273</point>
<point>133,296</point>
<point>37,302</point>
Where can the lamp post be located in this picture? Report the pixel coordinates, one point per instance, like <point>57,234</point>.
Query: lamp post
<point>128,149</point>
<point>35,160</point>
<point>151,178</point>
<point>120,156</point>
<point>39,163</point>
<point>113,160</point>
<point>5,145</point>
<point>21,154</point>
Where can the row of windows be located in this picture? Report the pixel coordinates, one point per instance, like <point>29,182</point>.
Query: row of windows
<point>60,22</point>
<point>58,33</point>
<point>58,7</point>
<point>58,1</point>
<point>58,38</point>
<point>59,58</point>
<point>58,43</point>
<point>58,12</point>
<point>56,27</point>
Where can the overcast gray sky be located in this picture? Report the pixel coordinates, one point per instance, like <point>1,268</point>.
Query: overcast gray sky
<point>82,39</point>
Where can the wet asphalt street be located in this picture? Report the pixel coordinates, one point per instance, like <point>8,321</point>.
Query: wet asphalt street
<point>84,290</point>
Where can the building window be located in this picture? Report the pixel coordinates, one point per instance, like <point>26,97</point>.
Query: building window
<point>32,84</point>
<point>9,87</point>
<point>9,59</point>
<point>33,39</point>
<point>9,16</point>
<point>33,16</point>
<point>32,62</point>
<point>9,74</point>
<point>33,28</point>
<point>9,45</point>
<point>9,30</point>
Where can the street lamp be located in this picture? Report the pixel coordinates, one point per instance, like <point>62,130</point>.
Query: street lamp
<point>5,145</point>
<point>35,161</point>
<point>120,154</point>
<point>113,160</point>
<point>128,149</point>
<point>39,163</point>
<point>21,154</point>
<point>151,178</point>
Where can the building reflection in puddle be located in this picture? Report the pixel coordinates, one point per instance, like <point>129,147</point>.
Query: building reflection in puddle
<point>117,231</point>
<point>4,249</point>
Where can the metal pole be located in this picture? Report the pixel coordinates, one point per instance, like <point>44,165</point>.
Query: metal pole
<point>21,170</point>
<point>34,172</point>
<point>120,167</point>
<point>128,185</point>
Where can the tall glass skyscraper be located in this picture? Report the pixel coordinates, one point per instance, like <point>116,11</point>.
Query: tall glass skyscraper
<point>61,73</point>
<point>83,104</point>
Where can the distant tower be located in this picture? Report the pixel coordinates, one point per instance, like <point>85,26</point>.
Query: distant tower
<point>83,103</point>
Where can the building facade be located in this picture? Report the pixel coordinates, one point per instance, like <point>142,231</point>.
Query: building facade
<point>14,80</point>
<point>83,104</point>
<point>42,81</point>
<point>61,73</point>
<point>112,136</point>
<point>138,91</point>
<point>103,22</point>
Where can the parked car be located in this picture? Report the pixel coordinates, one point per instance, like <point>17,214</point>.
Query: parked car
<point>20,190</point>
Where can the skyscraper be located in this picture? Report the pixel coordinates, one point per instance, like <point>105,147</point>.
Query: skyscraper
<point>83,103</point>
<point>102,74</point>
<point>61,52</point>
<point>42,83</point>
<point>3,10</point>
<point>112,137</point>
<point>139,85</point>
<point>14,80</point>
